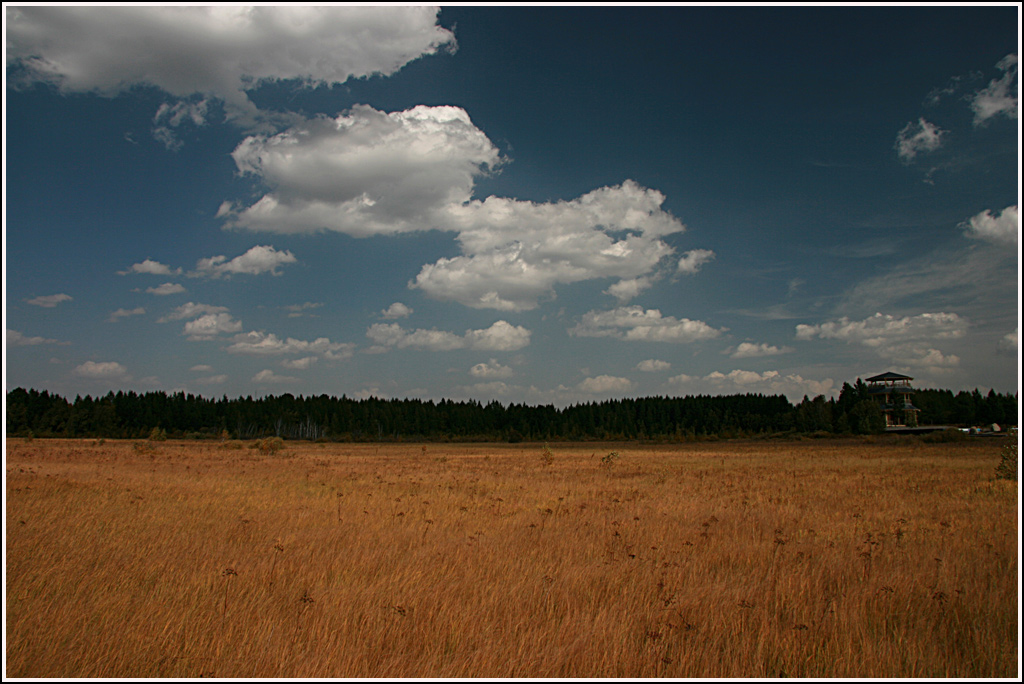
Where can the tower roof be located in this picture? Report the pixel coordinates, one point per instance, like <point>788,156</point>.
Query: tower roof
<point>889,376</point>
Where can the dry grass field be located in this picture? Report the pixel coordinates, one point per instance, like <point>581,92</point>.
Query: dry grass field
<point>885,558</point>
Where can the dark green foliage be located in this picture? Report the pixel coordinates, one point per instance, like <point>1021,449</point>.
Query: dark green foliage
<point>129,415</point>
<point>814,415</point>
<point>866,418</point>
<point>856,411</point>
<point>946,436</point>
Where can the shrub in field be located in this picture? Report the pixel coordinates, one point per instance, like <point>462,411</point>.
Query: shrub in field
<point>269,445</point>
<point>1007,468</point>
<point>945,436</point>
<point>610,459</point>
<point>158,435</point>
<point>546,457</point>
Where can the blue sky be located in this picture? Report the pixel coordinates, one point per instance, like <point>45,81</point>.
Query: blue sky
<point>527,204</point>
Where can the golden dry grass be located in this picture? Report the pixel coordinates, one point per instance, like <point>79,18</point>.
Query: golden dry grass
<point>805,559</point>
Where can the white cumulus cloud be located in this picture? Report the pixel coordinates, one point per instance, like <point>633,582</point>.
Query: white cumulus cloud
<point>881,329</point>
<point>364,172</point>
<point>49,301</point>
<point>259,259</point>
<point>221,51</point>
<point>634,323</point>
<point>605,384</point>
<point>16,339</point>
<point>169,117</point>
<point>692,261</point>
<point>1000,96</point>
<point>653,366</point>
<point>395,311</point>
<point>908,340</point>
<point>502,336</point>
<point>269,344</point>
<point>166,289</point>
<point>394,335</point>
<point>933,359</point>
<point>269,377</point>
<point>125,313</point>
<point>104,370</point>
<point>367,172</point>
<point>300,364</point>
<point>922,136</point>
<point>515,252</point>
<point>491,369</point>
<point>209,326</point>
<point>743,377</point>
<point>1009,342</point>
<point>1003,228</point>
<point>191,310</point>
<point>748,350</point>
<point>150,267</point>
<point>625,290</point>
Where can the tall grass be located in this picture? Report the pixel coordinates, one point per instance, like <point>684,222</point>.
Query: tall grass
<point>825,559</point>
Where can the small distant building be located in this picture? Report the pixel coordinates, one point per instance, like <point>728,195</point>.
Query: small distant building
<point>894,392</point>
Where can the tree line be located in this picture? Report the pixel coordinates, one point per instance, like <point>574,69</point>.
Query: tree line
<point>131,415</point>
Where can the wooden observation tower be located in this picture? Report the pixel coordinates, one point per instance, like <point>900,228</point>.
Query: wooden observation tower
<point>894,392</point>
